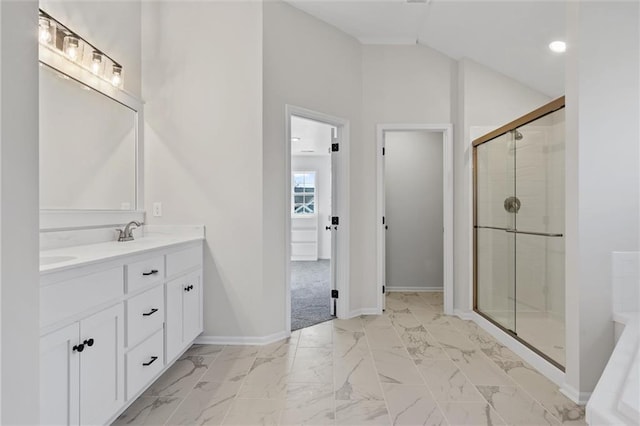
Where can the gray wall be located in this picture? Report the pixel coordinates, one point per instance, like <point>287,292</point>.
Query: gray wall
<point>413,189</point>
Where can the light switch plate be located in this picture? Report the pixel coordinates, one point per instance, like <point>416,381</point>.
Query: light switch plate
<point>157,209</point>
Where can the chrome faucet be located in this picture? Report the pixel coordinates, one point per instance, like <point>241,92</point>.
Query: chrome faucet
<point>127,234</point>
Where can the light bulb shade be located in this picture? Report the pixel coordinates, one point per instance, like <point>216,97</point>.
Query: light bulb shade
<point>46,31</point>
<point>116,76</point>
<point>72,48</point>
<point>97,63</point>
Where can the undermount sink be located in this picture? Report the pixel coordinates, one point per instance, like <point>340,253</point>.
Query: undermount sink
<point>48,260</point>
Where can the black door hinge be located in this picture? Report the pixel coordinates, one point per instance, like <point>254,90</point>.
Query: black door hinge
<point>383,220</point>
<point>334,294</point>
<point>383,290</point>
<point>335,220</point>
<point>383,151</point>
<point>335,147</point>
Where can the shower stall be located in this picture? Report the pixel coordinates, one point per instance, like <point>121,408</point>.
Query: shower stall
<point>519,230</point>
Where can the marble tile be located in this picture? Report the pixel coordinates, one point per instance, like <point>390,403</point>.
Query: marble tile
<point>352,325</point>
<point>421,345</point>
<point>244,412</point>
<point>362,412</point>
<point>312,365</point>
<point>317,336</point>
<point>395,366</point>
<point>148,411</point>
<point>449,337</point>
<point>281,348</point>
<point>232,364</point>
<point>203,350</point>
<point>355,377</point>
<point>471,414</point>
<point>430,316</point>
<point>412,405</point>
<point>207,404</point>
<point>479,369</point>
<point>373,321</point>
<point>267,379</point>
<point>516,407</point>
<point>546,393</point>
<point>308,404</point>
<point>180,378</point>
<point>403,320</point>
<point>447,382</point>
<point>346,343</point>
<point>383,338</point>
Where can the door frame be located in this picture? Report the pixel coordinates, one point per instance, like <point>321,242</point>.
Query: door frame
<point>342,197</point>
<point>447,205</point>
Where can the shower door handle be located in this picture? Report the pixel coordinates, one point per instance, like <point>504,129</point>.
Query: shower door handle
<point>541,234</point>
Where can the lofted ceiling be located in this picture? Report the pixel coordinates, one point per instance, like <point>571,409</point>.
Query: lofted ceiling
<point>511,37</point>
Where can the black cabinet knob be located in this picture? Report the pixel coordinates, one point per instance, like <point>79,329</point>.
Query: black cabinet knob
<point>188,288</point>
<point>152,272</point>
<point>78,348</point>
<point>88,342</point>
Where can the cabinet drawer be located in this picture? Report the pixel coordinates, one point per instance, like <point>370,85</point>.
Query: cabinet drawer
<point>144,272</point>
<point>143,363</point>
<point>71,297</point>
<point>145,314</point>
<point>183,260</point>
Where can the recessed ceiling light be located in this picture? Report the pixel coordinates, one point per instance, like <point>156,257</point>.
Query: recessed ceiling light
<point>295,139</point>
<point>558,46</point>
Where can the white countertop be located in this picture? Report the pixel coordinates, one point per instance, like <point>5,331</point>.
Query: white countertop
<point>152,238</point>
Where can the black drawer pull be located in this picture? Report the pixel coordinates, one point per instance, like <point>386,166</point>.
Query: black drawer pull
<point>151,312</point>
<point>79,347</point>
<point>153,359</point>
<point>152,272</point>
<point>188,288</point>
<point>88,342</point>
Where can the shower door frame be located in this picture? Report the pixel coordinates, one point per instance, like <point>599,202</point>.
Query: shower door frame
<point>544,110</point>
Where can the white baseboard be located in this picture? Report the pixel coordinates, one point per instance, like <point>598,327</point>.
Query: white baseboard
<point>465,315</point>
<point>573,394</point>
<point>364,311</point>
<point>241,340</point>
<point>543,366</point>
<point>409,289</point>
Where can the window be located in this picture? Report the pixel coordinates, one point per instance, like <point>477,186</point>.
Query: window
<point>303,193</point>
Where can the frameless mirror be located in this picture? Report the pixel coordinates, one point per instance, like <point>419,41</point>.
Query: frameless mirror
<point>87,147</point>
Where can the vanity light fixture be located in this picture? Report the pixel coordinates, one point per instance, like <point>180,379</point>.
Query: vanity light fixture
<point>58,38</point>
<point>558,46</point>
<point>116,78</point>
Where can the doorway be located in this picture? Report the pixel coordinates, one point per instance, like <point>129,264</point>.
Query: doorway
<point>316,218</point>
<point>415,207</point>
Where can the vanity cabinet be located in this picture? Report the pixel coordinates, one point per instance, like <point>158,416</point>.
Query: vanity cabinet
<point>109,329</point>
<point>82,370</point>
<point>184,313</point>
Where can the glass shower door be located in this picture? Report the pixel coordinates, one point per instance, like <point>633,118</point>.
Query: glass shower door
<point>495,248</point>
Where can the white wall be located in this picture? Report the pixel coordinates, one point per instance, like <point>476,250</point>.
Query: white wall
<point>203,154</point>
<point>401,84</point>
<point>486,100</point>
<point>321,164</point>
<point>414,203</point>
<point>602,175</point>
<point>19,275</point>
<point>309,64</point>
<point>112,26</point>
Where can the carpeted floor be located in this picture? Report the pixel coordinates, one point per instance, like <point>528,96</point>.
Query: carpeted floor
<point>310,291</point>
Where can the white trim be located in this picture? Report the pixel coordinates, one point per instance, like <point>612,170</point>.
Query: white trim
<point>447,183</point>
<point>543,366</point>
<point>572,393</point>
<point>465,315</point>
<point>410,289</point>
<point>343,208</point>
<point>242,340</point>
<point>56,220</point>
<point>363,311</point>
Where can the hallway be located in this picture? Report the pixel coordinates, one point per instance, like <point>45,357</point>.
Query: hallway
<point>412,365</point>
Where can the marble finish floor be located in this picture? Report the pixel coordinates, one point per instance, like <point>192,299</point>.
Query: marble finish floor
<point>410,366</point>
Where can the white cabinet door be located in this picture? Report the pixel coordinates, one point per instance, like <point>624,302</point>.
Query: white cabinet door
<point>59,377</point>
<point>102,366</point>
<point>173,323</point>
<point>191,308</point>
